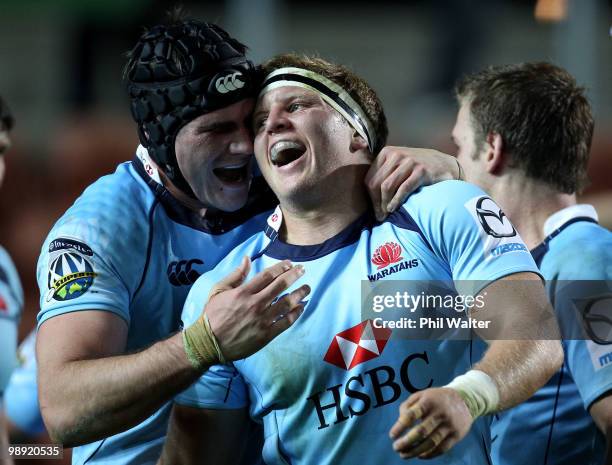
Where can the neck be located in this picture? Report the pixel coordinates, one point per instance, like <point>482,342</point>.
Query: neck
<point>323,219</point>
<point>186,200</point>
<point>528,204</point>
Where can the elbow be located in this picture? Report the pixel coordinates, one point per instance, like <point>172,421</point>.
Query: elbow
<point>59,432</point>
<point>61,424</point>
<point>59,427</point>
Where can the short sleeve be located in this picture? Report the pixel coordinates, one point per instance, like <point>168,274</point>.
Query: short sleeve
<point>466,229</point>
<point>94,257</point>
<point>591,367</point>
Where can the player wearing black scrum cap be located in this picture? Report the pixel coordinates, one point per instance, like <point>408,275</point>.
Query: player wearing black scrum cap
<point>116,268</point>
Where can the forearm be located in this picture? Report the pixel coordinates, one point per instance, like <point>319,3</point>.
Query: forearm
<point>520,367</point>
<point>85,400</point>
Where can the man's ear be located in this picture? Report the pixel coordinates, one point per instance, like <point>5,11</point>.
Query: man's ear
<point>495,156</point>
<point>358,143</point>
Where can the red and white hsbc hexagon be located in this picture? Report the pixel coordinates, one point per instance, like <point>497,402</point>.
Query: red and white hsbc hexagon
<point>356,345</point>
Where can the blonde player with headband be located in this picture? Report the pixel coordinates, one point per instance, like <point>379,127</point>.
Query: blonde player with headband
<point>329,388</point>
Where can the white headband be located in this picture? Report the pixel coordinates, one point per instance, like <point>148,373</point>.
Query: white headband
<point>331,92</point>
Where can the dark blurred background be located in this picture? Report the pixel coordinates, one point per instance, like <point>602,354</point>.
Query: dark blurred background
<point>61,63</point>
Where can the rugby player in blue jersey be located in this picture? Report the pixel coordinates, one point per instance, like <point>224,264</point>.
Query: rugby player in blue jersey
<point>328,389</point>
<point>115,270</point>
<point>523,134</point>
<point>11,293</point>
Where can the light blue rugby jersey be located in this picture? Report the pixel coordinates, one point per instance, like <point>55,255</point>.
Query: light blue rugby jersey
<point>21,396</point>
<point>11,306</point>
<point>554,427</point>
<point>128,247</point>
<point>324,390</point>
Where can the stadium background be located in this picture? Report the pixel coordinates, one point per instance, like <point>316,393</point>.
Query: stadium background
<point>61,63</point>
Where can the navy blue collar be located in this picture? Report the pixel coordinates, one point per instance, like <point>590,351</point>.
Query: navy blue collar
<point>260,199</point>
<point>302,253</point>
<point>540,251</point>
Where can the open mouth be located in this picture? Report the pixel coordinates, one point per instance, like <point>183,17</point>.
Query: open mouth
<point>284,152</point>
<point>233,173</point>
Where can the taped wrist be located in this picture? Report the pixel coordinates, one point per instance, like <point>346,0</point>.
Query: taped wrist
<point>201,345</point>
<point>478,390</point>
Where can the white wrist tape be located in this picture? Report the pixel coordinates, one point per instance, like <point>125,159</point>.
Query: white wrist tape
<point>478,390</point>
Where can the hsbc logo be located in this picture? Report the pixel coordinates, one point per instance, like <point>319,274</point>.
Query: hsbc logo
<point>372,389</point>
<point>388,254</point>
<point>229,82</point>
<point>356,345</point>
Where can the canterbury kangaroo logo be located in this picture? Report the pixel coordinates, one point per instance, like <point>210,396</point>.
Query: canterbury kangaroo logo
<point>181,273</point>
<point>229,82</point>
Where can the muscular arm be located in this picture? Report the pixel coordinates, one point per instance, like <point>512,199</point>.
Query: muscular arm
<point>196,436</point>
<point>88,390</point>
<point>518,307</point>
<point>601,411</point>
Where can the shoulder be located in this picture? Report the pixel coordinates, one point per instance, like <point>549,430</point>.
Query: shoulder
<point>115,198</point>
<point>105,233</point>
<point>582,251</point>
<point>444,194</point>
<point>112,212</point>
<point>457,206</point>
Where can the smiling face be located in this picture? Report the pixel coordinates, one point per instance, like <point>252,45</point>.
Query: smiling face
<point>215,155</point>
<point>300,142</point>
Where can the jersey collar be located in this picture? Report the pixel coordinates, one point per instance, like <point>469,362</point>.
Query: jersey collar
<point>281,250</point>
<point>558,219</point>
<point>143,155</point>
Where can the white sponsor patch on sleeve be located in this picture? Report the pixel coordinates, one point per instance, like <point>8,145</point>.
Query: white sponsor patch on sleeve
<point>601,355</point>
<point>497,233</point>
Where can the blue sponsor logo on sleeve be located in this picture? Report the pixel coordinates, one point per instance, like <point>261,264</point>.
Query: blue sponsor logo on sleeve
<point>505,248</point>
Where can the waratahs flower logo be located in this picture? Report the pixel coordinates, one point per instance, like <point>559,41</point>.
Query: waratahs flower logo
<point>389,252</point>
